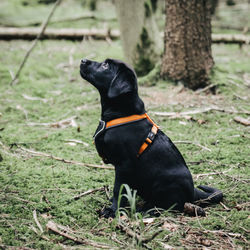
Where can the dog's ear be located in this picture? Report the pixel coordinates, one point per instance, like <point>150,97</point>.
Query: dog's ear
<point>123,83</point>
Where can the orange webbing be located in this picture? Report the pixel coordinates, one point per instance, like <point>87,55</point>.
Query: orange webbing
<point>132,118</point>
<point>148,141</point>
<point>126,119</point>
<point>152,123</point>
<point>142,148</point>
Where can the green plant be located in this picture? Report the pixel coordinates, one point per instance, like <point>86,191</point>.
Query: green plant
<point>130,196</point>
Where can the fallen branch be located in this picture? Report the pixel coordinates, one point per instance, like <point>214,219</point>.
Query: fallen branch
<point>33,45</point>
<point>241,120</point>
<point>77,142</point>
<point>31,98</point>
<point>61,33</point>
<point>197,176</point>
<point>230,27</point>
<point>67,234</point>
<point>225,207</point>
<point>37,222</point>
<point>7,33</point>
<point>136,236</point>
<point>60,124</point>
<point>228,38</point>
<point>40,154</point>
<point>199,111</point>
<point>193,143</point>
<point>211,86</point>
<point>90,191</point>
<point>39,234</point>
<point>70,19</point>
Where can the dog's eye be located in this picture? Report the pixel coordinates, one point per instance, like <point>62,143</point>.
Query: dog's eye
<point>105,65</point>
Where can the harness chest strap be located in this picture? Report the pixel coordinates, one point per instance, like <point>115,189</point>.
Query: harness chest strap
<point>148,140</point>
<point>133,118</point>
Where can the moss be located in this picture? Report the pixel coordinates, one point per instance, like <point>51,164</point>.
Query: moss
<point>144,61</point>
<point>38,183</point>
<point>152,77</point>
<point>147,8</point>
<point>154,5</point>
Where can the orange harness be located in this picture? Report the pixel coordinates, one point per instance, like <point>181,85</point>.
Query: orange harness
<point>134,118</point>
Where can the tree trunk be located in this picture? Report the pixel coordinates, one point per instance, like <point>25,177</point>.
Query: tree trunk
<point>139,34</point>
<point>187,56</point>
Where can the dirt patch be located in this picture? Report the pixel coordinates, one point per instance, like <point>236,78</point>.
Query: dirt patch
<point>177,95</point>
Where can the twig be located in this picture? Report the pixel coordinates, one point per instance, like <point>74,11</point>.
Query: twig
<point>40,235</point>
<point>40,154</point>
<point>193,143</point>
<point>224,174</point>
<point>77,141</point>
<point>198,111</point>
<point>37,222</point>
<point>225,207</point>
<point>133,234</point>
<point>197,176</point>
<point>206,88</point>
<point>33,45</point>
<point>90,191</point>
<point>70,19</point>
<point>60,124</point>
<point>65,233</point>
<point>32,98</point>
<point>242,120</point>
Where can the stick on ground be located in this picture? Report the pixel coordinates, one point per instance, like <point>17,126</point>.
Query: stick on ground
<point>51,225</point>
<point>41,154</point>
<point>33,45</point>
<point>90,191</point>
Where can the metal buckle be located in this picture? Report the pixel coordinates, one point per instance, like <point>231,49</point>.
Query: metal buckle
<point>151,135</point>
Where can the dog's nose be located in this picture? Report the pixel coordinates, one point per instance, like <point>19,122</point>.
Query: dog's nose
<point>85,61</point>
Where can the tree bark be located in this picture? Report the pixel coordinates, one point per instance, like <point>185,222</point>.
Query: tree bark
<point>139,34</point>
<point>187,56</point>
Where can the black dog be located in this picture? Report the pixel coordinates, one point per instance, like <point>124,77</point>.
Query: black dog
<point>143,156</point>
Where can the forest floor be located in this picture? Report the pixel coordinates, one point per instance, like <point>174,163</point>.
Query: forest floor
<point>53,183</point>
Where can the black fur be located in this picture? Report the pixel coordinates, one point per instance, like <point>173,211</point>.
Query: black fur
<point>160,175</point>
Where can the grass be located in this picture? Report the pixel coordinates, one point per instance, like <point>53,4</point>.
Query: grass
<point>37,183</point>
<point>46,185</point>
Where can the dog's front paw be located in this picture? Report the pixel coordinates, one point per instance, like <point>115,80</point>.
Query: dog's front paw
<point>107,212</point>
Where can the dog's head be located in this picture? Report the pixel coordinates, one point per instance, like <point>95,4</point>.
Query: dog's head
<point>111,77</point>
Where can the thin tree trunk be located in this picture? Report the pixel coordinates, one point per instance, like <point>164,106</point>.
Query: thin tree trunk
<point>188,55</point>
<point>139,34</point>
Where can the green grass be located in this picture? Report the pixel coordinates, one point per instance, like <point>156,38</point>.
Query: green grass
<point>38,183</point>
<point>33,13</point>
<point>46,185</point>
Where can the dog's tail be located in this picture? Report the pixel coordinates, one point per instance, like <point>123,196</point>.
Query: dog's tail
<point>207,195</point>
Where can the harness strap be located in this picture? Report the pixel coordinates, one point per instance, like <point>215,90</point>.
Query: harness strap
<point>150,137</point>
<point>133,118</point>
<point>124,120</point>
